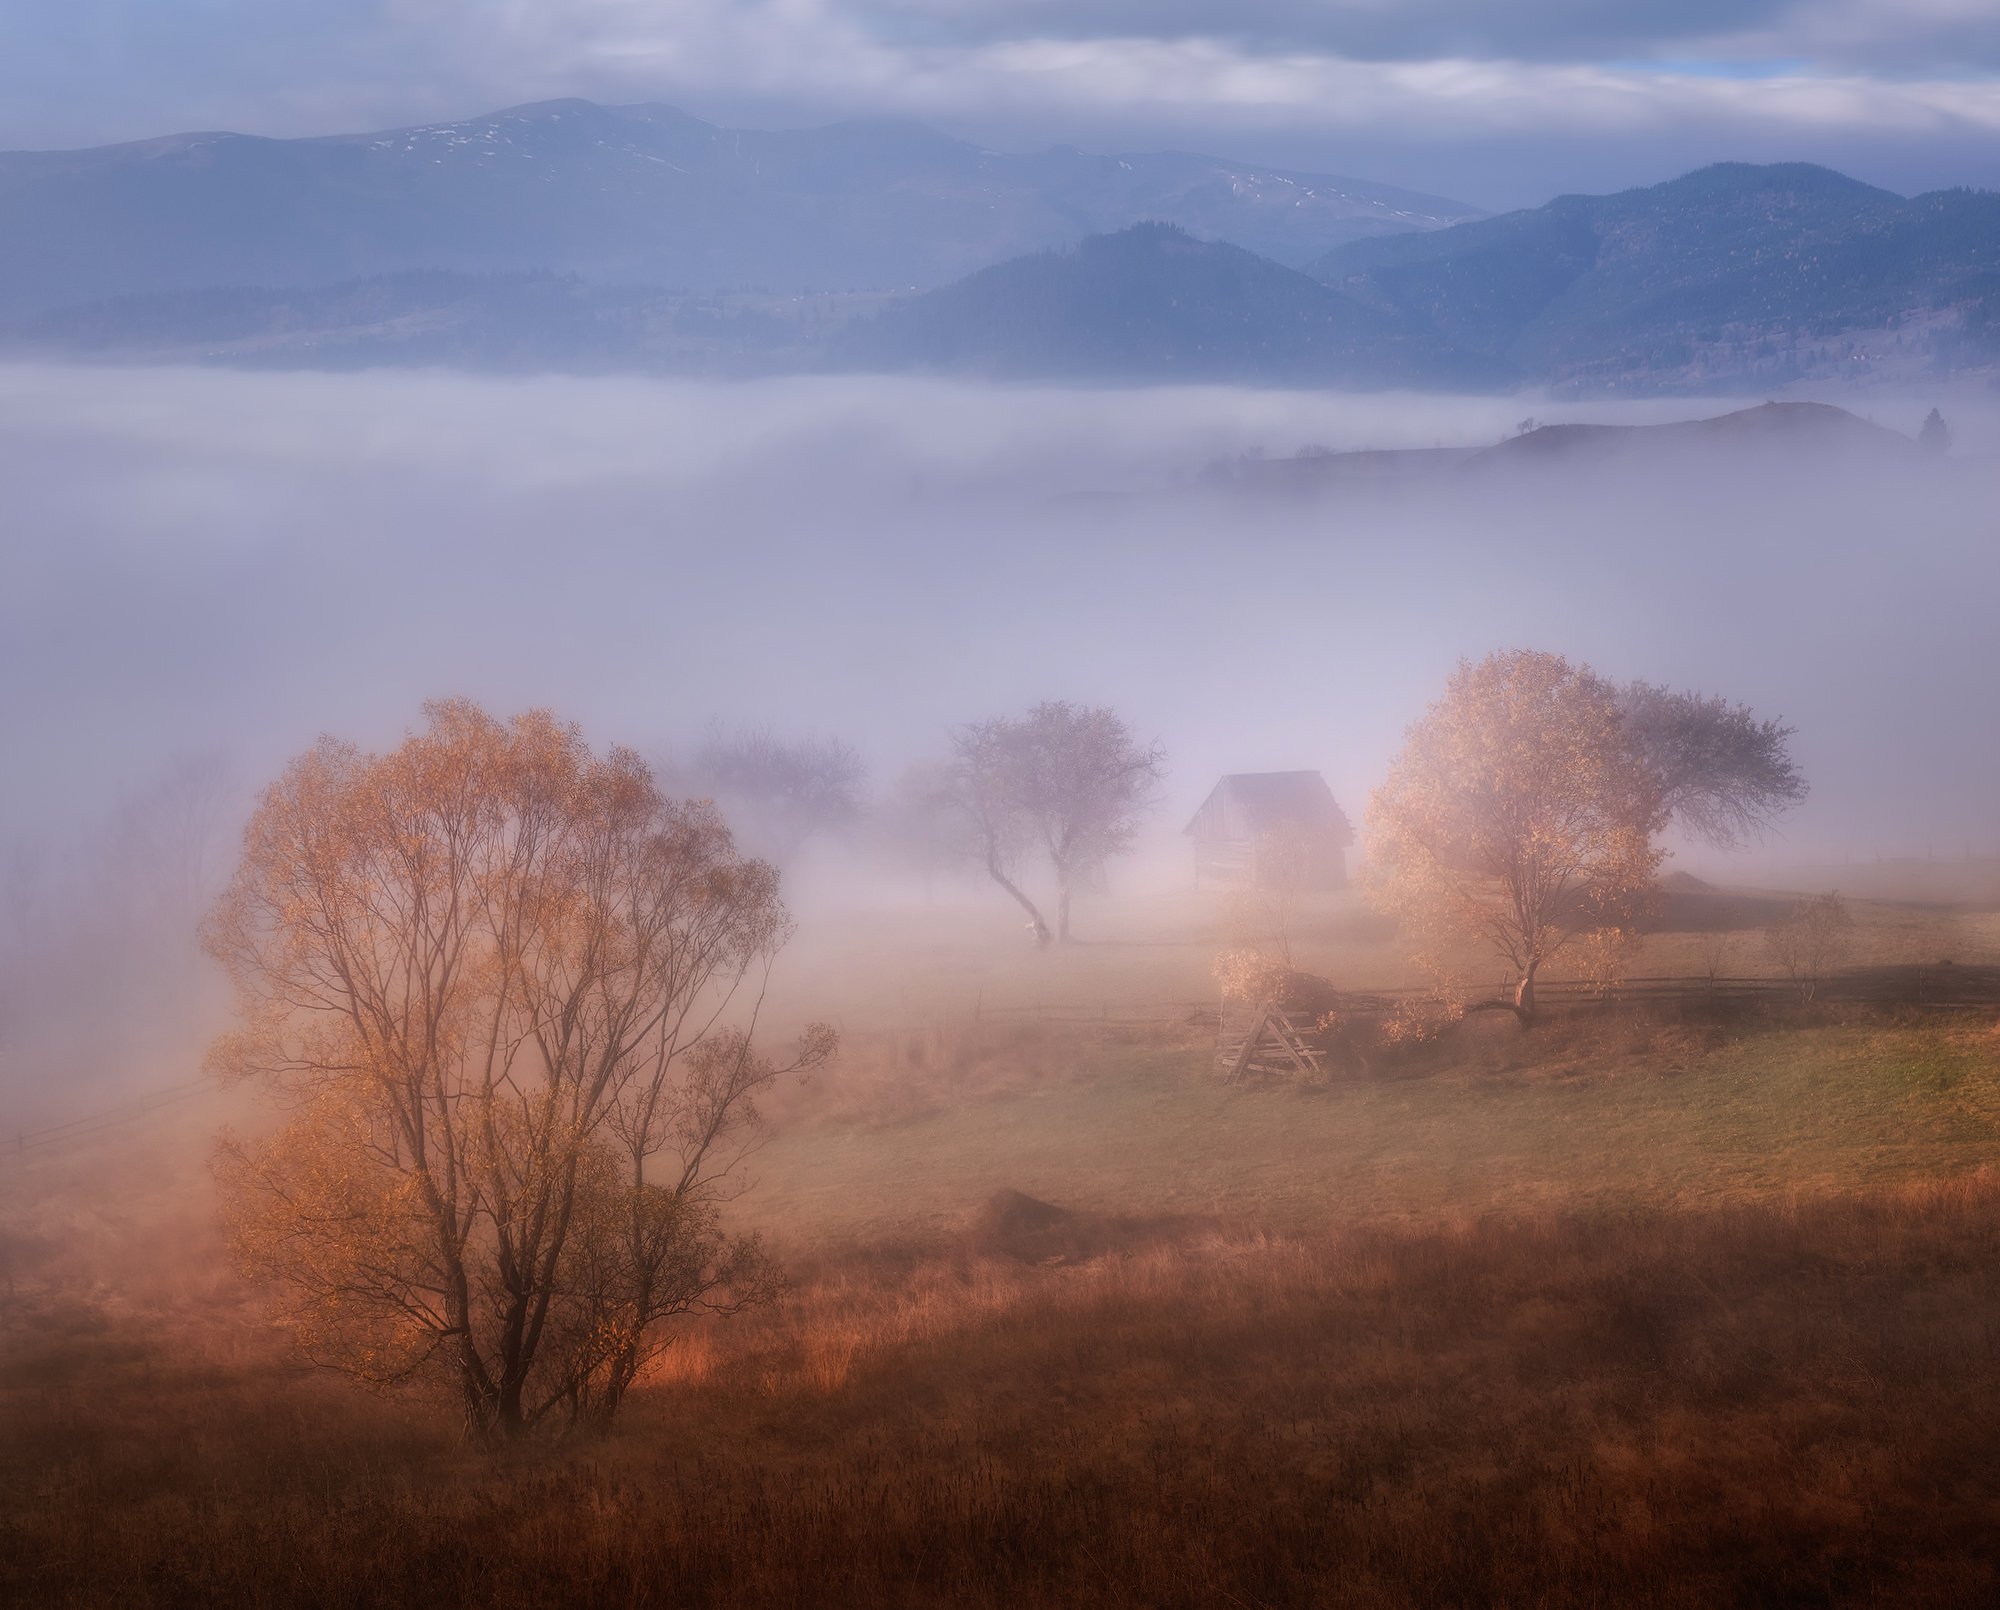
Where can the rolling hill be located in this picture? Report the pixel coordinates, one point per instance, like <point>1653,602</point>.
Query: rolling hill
<point>638,194</point>
<point>1151,303</point>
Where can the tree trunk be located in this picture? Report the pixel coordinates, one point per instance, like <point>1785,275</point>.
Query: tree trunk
<point>1062,909</point>
<point>1524,994</point>
<point>1035,920</point>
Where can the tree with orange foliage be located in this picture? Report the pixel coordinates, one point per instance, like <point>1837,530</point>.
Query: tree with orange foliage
<point>1519,814</point>
<point>501,987</point>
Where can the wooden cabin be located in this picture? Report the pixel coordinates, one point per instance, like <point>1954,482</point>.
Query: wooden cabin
<point>1262,828</point>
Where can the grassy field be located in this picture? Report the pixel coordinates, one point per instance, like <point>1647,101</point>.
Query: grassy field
<point>1610,1115</point>
<point>1676,1310</point>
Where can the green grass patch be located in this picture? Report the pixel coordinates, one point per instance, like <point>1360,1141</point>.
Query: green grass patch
<point>1560,1122</point>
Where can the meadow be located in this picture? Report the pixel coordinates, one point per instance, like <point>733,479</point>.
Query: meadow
<point>1650,1306</point>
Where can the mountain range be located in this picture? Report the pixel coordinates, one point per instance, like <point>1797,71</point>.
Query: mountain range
<point>626,194</point>
<point>1735,273</point>
<point>1735,277</point>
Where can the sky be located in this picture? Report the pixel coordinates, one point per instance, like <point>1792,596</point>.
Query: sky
<point>1499,104</point>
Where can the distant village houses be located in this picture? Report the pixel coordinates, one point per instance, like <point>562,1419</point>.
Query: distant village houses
<point>1266,827</point>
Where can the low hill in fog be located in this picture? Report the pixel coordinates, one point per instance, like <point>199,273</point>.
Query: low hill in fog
<point>1769,427</point>
<point>1801,434</point>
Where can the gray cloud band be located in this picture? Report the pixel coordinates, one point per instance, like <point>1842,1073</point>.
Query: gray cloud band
<point>1367,30</point>
<point>104,69</point>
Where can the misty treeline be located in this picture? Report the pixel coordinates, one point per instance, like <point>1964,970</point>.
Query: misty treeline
<point>1044,800</point>
<point>1058,791</point>
<point>506,992</point>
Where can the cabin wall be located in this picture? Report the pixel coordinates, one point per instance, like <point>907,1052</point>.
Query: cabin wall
<point>1230,862</point>
<point>1236,863</point>
<point>1325,867</point>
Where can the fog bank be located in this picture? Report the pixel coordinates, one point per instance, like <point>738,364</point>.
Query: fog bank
<point>201,562</point>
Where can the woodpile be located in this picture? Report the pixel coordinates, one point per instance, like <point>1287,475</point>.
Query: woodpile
<point>1267,1040</point>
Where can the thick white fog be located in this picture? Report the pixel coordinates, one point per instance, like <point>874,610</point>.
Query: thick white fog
<point>208,559</point>
<point>202,562</point>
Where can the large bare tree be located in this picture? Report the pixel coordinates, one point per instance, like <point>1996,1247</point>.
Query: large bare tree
<point>503,988</point>
<point>1068,781</point>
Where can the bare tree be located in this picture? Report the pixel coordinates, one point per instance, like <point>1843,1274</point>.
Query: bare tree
<point>1264,912</point>
<point>1716,948</point>
<point>1066,781</point>
<point>492,978</point>
<point>781,792</point>
<point>999,831</point>
<point>1811,941</point>
<point>1724,776</point>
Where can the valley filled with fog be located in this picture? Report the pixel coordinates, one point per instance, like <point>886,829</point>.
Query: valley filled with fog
<point>207,570</point>
<point>206,558</point>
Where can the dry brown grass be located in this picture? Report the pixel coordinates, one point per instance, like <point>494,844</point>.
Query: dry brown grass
<point>1788,1403</point>
<point>1634,1310</point>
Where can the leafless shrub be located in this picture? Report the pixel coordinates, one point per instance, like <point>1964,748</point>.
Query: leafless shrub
<point>1813,940</point>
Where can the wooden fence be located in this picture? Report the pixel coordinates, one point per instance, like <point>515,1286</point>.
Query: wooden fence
<point>18,1146</point>
<point>1130,1014</point>
<point>1943,986</point>
<point>1940,987</point>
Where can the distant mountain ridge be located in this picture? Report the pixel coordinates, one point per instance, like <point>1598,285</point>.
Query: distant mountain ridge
<point>1151,303</point>
<point>1733,278</point>
<point>639,194</point>
<point>1734,274</point>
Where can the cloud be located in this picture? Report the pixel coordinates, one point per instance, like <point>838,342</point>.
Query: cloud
<point>1353,63</point>
<point>1573,91</point>
<point>1435,66</point>
<point>1365,30</point>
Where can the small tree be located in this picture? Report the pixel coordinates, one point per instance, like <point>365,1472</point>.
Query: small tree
<point>1811,941</point>
<point>487,974</point>
<point>1066,781</point>
<point>1517,816</point>
<point>1264,913</point>
<point>779,792</point>
<point>1935,436</point>
<point>1716,947</point>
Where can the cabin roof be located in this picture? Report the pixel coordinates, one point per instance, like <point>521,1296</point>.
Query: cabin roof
<point>1246,804</point>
